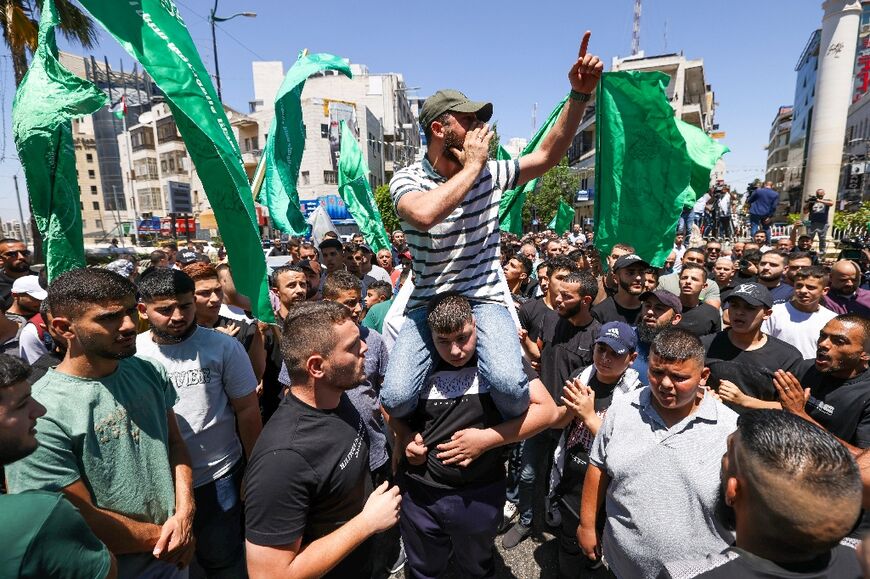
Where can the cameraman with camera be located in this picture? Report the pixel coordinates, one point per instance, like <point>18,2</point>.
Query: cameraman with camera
<point>816,209</point>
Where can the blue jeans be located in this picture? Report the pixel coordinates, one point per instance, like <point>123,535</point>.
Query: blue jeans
<point>514,466</point>
<point>755,222</point>
<point>499,362</point>
<point>684,225</point>
<point>534,467</point>
<point>218,526</point>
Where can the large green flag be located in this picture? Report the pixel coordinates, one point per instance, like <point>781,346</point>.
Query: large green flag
<point>354,188</point>
<point>705,153</point>
<point>153,32</point>
<point>642,165</point>
<point>47,100</point>
<point>563,218</point>
<point>286,143</point>
<point>510,211</point>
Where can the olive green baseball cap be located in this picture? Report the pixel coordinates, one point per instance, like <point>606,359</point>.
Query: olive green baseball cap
<point>449,100</point>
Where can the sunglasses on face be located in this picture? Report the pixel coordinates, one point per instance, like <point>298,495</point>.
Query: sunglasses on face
<point>14,252</point>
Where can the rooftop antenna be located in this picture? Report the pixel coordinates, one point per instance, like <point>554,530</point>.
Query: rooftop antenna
<point>534,119</point>
<point>635,30</point>
<point>666,36</point>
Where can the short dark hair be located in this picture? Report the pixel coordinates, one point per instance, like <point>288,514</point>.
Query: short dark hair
<point>12,370</point>
<point>860,321</point>
<point>309,245</point>
<point>587,282</point>
<point>700,250</point>
<point>677,345</point>
<point>753,255</point>
<point>383,288</point>
<point>157,256</point>
<point>276,273</point>
<point>165,283</point>
<point>338,282</point>
<point>309,329</point>
<point>691,266</point>
<point>72,292</point>
<point>524,261</point>
<point>448,313</point>
<point>561,263</point>
<point>805,237</point>
<point>778,252</point>
<point>796,255</point>
<point>623,247</point>
<point>815,271</point>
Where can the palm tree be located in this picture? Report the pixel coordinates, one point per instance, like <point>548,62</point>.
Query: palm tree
<point>20,24</point>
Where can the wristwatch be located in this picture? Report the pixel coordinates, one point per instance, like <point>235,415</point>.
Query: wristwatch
<point>582,97</point>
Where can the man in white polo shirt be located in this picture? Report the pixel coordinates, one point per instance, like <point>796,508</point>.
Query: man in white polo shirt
<point>448,205</point>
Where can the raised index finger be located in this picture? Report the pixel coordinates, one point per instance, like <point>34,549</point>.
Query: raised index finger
<point>584,44</point>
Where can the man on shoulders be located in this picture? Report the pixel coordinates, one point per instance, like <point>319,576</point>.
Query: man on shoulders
<point>309,508</point>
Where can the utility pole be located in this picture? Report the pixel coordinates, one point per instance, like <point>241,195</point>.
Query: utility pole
<point>20,212</point>
<point>635,29</point>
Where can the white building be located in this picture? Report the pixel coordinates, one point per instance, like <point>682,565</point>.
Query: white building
<point>515,146</point>
<point>778,148</point>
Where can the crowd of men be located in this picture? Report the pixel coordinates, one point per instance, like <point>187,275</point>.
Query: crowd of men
<point>410,407</point>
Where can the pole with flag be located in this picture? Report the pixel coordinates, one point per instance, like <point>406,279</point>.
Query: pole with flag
<point>119,108</point>
<point>354,188</point>
<point>563,218</point>
<point>47,100</point>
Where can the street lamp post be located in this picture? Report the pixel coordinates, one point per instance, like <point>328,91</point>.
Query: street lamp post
<point>212,18</point>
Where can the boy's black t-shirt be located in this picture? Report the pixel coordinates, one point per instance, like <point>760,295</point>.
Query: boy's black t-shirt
<point>840,563</point>
<point>701,320</point>
<point>531,315</point>
<point>308,475</point>
<point>610,311</point>
<point>567,349</point>
<point>455,399</point>
<point>841,406</point>
<point>752,371</point>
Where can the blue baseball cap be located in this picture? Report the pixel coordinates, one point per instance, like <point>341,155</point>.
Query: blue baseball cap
<point>619,336</point>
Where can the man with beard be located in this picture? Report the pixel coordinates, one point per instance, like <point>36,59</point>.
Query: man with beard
<point>659,441</point>
<point>309,508</point>
<point>609,283</point>
<point>104,406</point>
<point>624,306</point>
<point>671,282</point>
<point>712,252</point>
<point>845,295</point>
<point>448,206</point>
<point>742,359</point>
<point>791,492</point>
<point>660,309</point>
<point>799,321</point>
<point>217,394</point>
<point>699,318</point>
<point>770,274</point>
<point>737,251</point>
<point>805,244</point>
<point>398,246</point>
<point>797,260</point>
<point>15,261</point>
<point>42,533</point>
<point>27,294</point>
<point>290,284</point>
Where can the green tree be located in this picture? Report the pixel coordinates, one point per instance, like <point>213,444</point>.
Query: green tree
<point>853,220</point>
<point>557,183</point>
<point>494,143</point>
<point>385,206</point>
<point>20,24</point>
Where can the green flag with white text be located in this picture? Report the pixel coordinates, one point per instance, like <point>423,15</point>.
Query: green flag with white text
<point>642,166</point>
<point>355,190</point>
<point>510,211</point>
<point>286,143</point>
<point>153,32</point>
<point>47,100</point>
<point>563,218</point>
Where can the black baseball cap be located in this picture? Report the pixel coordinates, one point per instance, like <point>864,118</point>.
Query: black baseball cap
<point>305,264</point>
<point>665,297</point>
<point>627,260</point>
<point>333,243</point>
<point>449,100</point>
<point>186,257</point>
<point>753,294</point>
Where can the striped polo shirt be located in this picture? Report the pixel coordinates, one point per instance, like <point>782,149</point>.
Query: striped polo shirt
<point>462,253</point>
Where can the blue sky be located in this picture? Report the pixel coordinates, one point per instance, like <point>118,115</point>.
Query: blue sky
<point>513,54</point>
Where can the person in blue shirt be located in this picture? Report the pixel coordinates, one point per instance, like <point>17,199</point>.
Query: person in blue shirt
<point>762,206</point>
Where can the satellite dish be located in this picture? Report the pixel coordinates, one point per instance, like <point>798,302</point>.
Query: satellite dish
<point>229,115</point>
<point>146,118</point>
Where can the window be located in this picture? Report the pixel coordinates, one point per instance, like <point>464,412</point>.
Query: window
<point>173,162</point>
<point>329,178</point>
<point>84,223</point>
<point>93,189</point>
<point>82,204</point>
<point>167,131</point>
<point>91,174</point>
<point>255,143</point>
<point>96,205</point>
<point>146,168</point>
<point>305,178</point>
<point>150,199</point>
<point>324,131</point>
<point>89,158</point>
<point>142,138</point>
<point>98,223</point>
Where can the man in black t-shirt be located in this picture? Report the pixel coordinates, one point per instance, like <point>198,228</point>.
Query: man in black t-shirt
<point>816,209</point>
<point>452,465</point>
<point>792,493</point>
<point>742,359</point>
<point>533,313</point>
<point>624,306</point>
<point>308,507</point>
<point>698,317</point>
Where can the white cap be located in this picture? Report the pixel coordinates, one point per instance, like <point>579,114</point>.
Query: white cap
<point>29,284</point>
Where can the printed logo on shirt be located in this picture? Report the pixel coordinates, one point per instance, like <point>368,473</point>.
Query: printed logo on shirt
<point>188,378</point>
<point>821,406</point>
<point>355,447</point>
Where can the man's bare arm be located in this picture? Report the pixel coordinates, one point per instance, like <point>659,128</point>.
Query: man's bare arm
<point>250,423</point>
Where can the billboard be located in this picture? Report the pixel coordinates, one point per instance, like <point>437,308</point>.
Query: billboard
<point>179,197</point>
<point>338,111</point>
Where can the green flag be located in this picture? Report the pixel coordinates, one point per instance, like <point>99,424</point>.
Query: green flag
<point>642,165</point>
<point>354,188</point>
<point>705,153</point>
<point>153,32</point>
<point>47,100</point>
<point>510,211</point>
<point>563,218</point>
<point>286,143</point>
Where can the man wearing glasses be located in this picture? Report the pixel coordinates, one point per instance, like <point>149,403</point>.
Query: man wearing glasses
<point>15,263</point>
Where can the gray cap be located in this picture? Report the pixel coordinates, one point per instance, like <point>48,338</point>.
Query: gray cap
<point>665,297</point>
<point>449,100</point>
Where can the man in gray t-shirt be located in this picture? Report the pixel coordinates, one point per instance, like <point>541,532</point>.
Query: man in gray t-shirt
<point>217,392</point>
